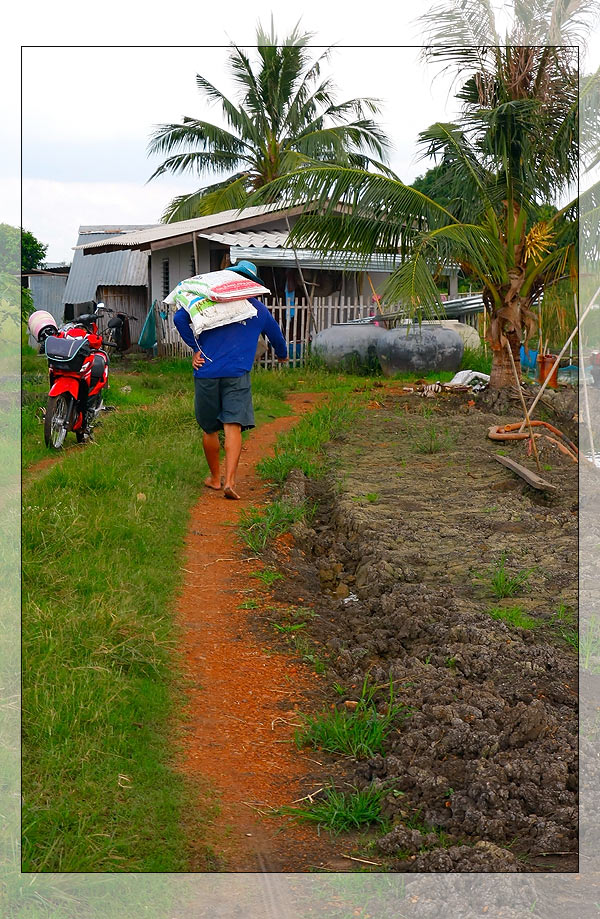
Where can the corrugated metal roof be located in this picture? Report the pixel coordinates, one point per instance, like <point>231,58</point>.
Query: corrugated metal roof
<point>338,261</point>
<point>143,238</point>
<point>269,246</point>
<point>268,239</point>
<point>124,268</point>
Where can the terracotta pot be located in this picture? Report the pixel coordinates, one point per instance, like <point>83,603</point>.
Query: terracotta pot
<point>546,361</point>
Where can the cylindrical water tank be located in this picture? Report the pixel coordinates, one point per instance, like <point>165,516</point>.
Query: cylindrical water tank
<point>414,349</point>
<point>469,335</point>
<point>349,346</point>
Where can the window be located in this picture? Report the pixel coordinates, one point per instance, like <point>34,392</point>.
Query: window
<point>166,284</point>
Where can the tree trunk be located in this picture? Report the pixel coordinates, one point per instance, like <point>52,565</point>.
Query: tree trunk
<point>502,375</point>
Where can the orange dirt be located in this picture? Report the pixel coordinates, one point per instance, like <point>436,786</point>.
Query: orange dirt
<point>242,697</point>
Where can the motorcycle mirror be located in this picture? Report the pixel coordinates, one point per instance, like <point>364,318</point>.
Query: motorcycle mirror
<point>100,306</point>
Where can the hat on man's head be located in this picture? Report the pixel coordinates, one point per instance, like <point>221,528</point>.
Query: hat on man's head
<point>246,269</point>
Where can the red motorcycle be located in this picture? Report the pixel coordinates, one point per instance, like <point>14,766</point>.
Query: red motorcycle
<point>78,368</point>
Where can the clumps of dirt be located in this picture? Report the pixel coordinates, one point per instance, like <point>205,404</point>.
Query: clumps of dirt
<point>398,563</point>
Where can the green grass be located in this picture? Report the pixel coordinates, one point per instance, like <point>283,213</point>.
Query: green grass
<point>477,359</point>
<point>515,616</point>
<point>564,621</point>
<point>589,646</point>
<point>101,685</point>
<point>288,627</point>
<point>306,651</point>
<point>433,441</point>
<point>259,525</point>
<point>268,576</point>
<point>340,811</point>
<point>359,732</point>
<point>301,448</point>
<point>500,582</point>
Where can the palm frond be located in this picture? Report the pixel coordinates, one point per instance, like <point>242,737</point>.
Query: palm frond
<point>412,286</point>
<point>199,163</point>
<point>467,179</point>
<point>236,117</point>
<point>230,194</point>
<point>170,137</point>
<point>336,143</point>
<point>363,194</point>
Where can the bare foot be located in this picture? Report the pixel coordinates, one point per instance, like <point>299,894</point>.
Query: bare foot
<point>230,493</point>
<point>215,484</point>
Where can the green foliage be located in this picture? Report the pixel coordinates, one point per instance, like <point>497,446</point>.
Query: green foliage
<point>511,150</point>
<point>341,811</point>
<point>306,651</point>
<point>26,304</point>
<point>33,252</point>
<point>101,683</point>
<point>10,246</point>
<point>436,184</point>
<point>301,448</point>
<point>477,359</point>
<point>515,616</point>
<point>259,525</point>
<point>589,646</point>
<point>500,582</point>
<point>565,621</point>
<point>359,732</point>
<point>284,117</point>
<point>268,576</point>
<point>10,294</point>
<point>433,440</point>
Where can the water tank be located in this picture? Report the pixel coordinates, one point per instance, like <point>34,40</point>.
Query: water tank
<point>349,346</point>
<point>468,333</point>
<point>414,349</point>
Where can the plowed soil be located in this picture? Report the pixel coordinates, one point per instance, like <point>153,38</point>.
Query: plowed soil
<point>398,565</point>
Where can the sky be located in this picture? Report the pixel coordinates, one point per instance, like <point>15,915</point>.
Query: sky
<point>88,111</point>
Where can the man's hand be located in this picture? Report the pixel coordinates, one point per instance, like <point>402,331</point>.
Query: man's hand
<point>197,360</point>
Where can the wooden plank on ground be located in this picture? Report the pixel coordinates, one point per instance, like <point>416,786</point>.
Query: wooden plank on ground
<point>530,477</point>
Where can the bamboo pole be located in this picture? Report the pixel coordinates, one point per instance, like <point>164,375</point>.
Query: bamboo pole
<point>557,361</point>
<point>308,296</point>
<point>195,243</point>
<point>527,419</point>
<point>586,403</point>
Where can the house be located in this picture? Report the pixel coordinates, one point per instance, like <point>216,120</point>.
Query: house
<point>119,278</point>
<point>182,249</point>
<point>47,286</point>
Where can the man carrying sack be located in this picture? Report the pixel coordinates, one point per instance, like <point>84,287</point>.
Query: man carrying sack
<point>224,348</point>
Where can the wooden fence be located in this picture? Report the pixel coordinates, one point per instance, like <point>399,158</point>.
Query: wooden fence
<point>299,324</point>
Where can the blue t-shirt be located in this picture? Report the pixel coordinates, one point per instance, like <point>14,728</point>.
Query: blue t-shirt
<point>230,349</point>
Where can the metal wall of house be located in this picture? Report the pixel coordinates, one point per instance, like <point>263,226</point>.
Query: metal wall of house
<point>47,291</point>
<point>180,263</point>
<point>130,300</point>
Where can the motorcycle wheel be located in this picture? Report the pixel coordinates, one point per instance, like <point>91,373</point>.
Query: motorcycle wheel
<point>58,412</point>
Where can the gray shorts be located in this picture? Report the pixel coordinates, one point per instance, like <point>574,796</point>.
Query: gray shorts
<point>226,400</point>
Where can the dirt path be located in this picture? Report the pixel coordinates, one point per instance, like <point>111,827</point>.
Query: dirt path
<point>242,696</point>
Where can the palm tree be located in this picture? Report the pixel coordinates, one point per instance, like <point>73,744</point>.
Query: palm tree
<point>511,153</point>
<point>285,117</point>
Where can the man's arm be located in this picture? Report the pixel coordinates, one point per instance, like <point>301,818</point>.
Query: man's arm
<point>183,325</point>
<point>271,330</point>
